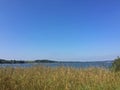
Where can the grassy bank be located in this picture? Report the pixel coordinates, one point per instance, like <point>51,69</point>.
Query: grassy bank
<point>43,78</point>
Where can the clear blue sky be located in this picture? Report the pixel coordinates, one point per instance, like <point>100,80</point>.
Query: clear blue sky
<point>73,30</point>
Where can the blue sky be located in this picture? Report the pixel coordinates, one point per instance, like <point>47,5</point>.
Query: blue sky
<point>71,30</point>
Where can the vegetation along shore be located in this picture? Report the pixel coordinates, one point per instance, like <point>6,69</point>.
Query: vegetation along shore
<point>60,78</point>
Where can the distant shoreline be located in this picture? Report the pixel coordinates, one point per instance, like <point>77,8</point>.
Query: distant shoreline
<point>4,61</point>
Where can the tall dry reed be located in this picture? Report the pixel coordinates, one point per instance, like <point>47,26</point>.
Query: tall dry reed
<point>60,78</point>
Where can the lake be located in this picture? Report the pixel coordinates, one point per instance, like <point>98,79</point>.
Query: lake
<point>105,64</point>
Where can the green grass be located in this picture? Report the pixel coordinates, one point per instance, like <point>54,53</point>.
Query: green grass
<point>61,78</point>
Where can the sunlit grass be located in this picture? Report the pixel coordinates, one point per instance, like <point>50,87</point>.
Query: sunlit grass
<point>61,78</point>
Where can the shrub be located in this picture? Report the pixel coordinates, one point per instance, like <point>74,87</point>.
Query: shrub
<point>116,64</point>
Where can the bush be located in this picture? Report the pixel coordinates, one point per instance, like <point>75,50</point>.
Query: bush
<point>116,64</point>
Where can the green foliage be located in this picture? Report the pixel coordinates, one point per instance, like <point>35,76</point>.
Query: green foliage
<point>116,64</point>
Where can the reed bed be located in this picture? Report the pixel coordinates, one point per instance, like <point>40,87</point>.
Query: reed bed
<point>59,78</point>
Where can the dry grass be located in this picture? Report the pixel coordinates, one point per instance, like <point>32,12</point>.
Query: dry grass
<point>61,78</point>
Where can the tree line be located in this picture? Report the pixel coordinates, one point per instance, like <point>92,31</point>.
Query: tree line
<point>3,61</point>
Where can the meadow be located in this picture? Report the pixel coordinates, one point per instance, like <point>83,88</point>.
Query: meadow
<point>59,78</point>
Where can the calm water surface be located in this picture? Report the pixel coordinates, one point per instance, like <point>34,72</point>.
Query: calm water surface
<point>65,64</point>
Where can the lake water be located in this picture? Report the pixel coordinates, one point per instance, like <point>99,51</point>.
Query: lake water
<point>65,64</point>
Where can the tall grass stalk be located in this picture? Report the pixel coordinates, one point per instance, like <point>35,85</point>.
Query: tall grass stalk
<point>60,78</point>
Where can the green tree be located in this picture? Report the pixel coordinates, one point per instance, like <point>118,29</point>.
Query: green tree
<point>116,64</point>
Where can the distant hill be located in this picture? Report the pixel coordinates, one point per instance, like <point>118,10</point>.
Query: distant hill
<point>44,61</point>
<point>3,61</point>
